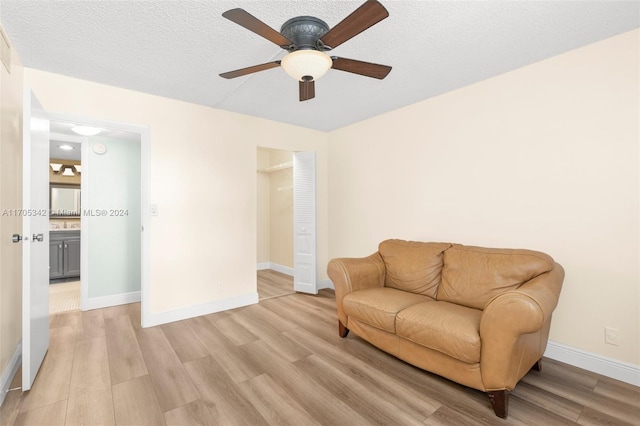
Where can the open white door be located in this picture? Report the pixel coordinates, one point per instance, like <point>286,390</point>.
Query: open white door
<point>304,222</point>
<point>35,231</point>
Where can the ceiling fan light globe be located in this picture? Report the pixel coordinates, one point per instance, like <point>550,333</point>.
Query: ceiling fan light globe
<point>302,63</point>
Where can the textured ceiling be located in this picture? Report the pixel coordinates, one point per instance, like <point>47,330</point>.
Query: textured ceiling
<point>177,48</point>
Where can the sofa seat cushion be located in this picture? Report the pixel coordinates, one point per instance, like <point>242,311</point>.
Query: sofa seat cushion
<point>446,327</point>
<point>472,276</point>
<point>378,307</point>
<point>413,266</point>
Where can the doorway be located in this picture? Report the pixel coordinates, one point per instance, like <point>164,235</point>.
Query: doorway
<point>287,216</point>
<point>65,177</point>
<point>275,223</point>
<point>111,174</point>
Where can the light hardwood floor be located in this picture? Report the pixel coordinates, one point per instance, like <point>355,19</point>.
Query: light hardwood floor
<point>273,284</point>
<point>279,362</point>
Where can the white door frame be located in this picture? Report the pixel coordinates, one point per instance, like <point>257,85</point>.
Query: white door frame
<point>145,140</point>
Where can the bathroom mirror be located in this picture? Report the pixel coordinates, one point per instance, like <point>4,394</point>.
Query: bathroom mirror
<point>65,200</point>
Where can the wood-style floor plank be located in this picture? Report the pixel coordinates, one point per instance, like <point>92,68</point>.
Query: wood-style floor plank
<point>219,390</point>
<point>523,412</point>
<point>50,415</point>
<point>183,341</point>
<point>133,310</point>
<point>90,400</point>
<point>586,397</point>
<point>53,378</point>
<point>274,403</point>
<point>266,327</point>
<point>393,390</point>
<point>64,319</point>
<point>230,357</point>
<point>11,405</point>
<point>373,406</point>
<point>125,357</point>
<point>115,311</point>
<point>91,324</point>
<point>551,402</point>
<point>325,407</point>
<point>170,380</point>
<point>193,413</point>
<point>90,406</point>
<point>235,332</point>
<point>274,284</point>
<point>445,416</point>
<point>591,417</point>
<point>280,362</point>
<point>135,403</point>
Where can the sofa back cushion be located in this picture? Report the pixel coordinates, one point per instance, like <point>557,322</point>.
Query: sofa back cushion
<point>472,276</point>
<point>413,266</point>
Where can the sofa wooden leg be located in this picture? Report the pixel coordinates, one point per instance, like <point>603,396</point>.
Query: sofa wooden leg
<point>499,402</point>
<point>342,330</point>
<point>538,365</point>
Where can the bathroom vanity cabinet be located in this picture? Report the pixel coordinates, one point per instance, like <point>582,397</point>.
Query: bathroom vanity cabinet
<point>64,254</point>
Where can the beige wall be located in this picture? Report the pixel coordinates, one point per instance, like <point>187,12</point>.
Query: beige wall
<point>545,157</point>
<point>263,207</point>
<point>203,179</point>
<point>281,215</point>
<point>275,209</point>
<point>10,199</point>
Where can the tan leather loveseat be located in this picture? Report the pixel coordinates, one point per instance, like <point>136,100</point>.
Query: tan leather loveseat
<point>477,316</point>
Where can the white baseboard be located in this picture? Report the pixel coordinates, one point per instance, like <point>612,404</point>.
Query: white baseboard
<point>263,265</point>
<point>619,370</point>
<point>114,300</point>
<point>279,268</point>
<point>202,309</point>
<point>10,371</point>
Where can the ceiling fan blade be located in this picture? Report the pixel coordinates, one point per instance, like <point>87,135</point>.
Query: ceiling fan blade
<point>250,70</point>
<point>367,15</point>
<point>250,22</point>
<point>367,69</point>
<point>307,90</point>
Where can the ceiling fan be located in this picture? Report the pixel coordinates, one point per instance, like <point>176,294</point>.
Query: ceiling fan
<point>307,38</point>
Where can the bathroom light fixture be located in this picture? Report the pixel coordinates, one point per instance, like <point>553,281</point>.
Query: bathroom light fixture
<point>302,64</point>
<point>86,130</point>
<point>68,171</point>
<point>55,167</point>
<point>78,168</point>
<point>66,147</point>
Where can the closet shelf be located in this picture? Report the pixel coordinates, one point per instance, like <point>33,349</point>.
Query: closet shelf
<point>281,166</point>
<point>285,188</point>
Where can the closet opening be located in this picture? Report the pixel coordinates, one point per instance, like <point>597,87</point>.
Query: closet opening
<point>275,258</point>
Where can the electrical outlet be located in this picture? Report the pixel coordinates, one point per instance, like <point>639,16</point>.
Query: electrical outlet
<point>611,336</point>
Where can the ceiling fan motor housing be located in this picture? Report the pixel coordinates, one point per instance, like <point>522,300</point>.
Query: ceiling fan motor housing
<point>305,33</point>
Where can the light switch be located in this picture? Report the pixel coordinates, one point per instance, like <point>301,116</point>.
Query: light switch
<point>154,210</point>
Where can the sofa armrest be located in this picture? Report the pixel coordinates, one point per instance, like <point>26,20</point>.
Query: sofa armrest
<point>514,329</point>
<point>351,274</point>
